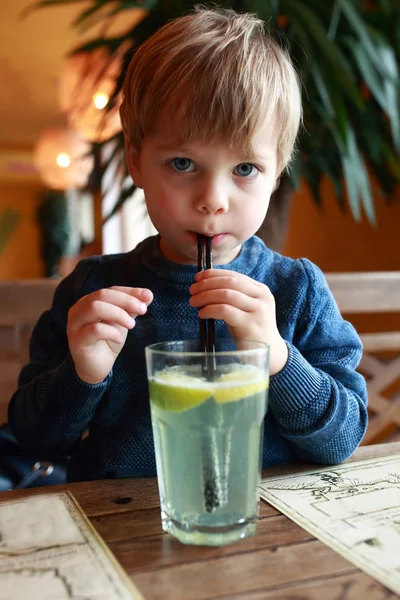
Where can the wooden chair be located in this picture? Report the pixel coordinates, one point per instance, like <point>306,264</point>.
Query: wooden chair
<point>375,292</point>
<point>21,304</point>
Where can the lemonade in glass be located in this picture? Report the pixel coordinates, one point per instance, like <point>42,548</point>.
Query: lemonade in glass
<point>208,438</point>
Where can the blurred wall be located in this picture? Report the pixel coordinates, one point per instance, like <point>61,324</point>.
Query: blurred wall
<point>335,242</point>
<point>19,234</point>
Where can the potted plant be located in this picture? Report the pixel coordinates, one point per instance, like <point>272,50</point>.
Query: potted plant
<point>346,53</point>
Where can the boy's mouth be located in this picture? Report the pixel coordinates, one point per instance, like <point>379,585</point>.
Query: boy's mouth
<point>217,238</point>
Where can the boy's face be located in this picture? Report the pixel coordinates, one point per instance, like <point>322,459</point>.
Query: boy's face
<point>205,187</point>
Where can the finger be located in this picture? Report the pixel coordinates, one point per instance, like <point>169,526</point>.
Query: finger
<point>143,294</point>
<point>229,282</point>
<point>127,302</point>
<point>103,311</point>
<point>212,273</point>
<point>90,334</point>
<point>228,297</point>
<point>233,316</point>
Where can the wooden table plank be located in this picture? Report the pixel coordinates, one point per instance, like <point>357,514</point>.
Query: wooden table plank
<point>266,510</point>
<point>241,573</point>
<point>282,561</point>
<point>135,524</point>
<point>160,551</point>
<point>353,586</point>
<point>108,496</point>
<point>129,525</point>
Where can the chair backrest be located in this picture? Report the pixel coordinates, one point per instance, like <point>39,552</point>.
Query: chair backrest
<point>375,292</point>
<point>21,304</point>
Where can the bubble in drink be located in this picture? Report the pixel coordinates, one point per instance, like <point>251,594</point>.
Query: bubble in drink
<point>208,439</point>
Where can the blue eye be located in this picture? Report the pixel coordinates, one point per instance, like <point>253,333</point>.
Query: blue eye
<point>182,164</point>
<point>245,169</point>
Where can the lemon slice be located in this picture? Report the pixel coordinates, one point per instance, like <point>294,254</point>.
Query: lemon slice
<point>177,392</point>
<point>248,381</point>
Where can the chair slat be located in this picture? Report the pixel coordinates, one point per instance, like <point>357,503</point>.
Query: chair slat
<point>375,292</point>
<point>376,342</point>
<point>357,293</point>
<point>23,301</point>
<point>21,304</point>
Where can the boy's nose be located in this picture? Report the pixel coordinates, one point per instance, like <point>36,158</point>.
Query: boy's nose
<point>212,200</point>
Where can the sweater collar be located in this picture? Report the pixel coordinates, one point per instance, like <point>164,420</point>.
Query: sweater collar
<point>150,256</point>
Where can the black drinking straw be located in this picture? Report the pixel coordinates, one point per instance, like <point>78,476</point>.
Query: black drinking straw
<point>202,322</point>
<point>211,467</point>
<point>210,322</point>
<point>207,326</point>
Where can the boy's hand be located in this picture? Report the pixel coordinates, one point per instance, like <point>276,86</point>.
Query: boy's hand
<point>98,325</point>
<point>246,306</point>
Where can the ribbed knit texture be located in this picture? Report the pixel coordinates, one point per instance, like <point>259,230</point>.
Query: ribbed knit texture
<point>317,403</point>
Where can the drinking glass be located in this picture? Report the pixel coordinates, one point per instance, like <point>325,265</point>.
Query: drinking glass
<point>208,432</point>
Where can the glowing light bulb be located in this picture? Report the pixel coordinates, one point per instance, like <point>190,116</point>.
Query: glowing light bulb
<point>100,100</point>
<point>63,160</point>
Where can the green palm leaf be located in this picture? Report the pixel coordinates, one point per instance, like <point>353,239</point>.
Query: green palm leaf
<point>348,60</point>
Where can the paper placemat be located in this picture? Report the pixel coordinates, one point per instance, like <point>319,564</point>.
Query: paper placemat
<point>50,551</point>
<point>353,508</point>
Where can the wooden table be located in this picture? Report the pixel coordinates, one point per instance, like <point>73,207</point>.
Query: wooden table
<point>283,561</point>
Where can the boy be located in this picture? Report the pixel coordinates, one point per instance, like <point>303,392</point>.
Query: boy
<point>211,111</point>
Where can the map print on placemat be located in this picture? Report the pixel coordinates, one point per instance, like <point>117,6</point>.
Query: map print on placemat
<point>49,550</point>
<point>354,508</point>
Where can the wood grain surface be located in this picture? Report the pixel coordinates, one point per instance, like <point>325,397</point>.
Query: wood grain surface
<point>282,561</point>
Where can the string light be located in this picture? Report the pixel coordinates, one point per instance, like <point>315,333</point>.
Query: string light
<point>63,160</point>
<point>100,100</point>
<point>86,85</point>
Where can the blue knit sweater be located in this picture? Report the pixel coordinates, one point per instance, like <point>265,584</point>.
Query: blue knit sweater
<point>317,403</point>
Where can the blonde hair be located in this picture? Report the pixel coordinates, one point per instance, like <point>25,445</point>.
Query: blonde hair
<point>219,75</point>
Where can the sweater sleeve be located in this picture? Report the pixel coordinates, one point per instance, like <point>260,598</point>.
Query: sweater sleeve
<point>52,406</point>
<point>319,399</point>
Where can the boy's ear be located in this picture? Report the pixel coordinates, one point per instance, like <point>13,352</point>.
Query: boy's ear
<point>133,162</point>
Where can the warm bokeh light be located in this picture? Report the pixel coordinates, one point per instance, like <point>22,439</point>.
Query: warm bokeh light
<point>86,87</point>
<point>100,100</point>
<point>63,160</point>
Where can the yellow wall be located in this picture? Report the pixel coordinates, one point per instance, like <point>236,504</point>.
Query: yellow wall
<point>335,242</point>
<point>21,259</point>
